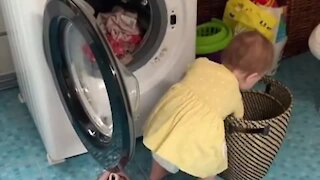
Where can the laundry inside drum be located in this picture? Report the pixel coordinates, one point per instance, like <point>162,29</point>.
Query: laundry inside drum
<point>127,26</point>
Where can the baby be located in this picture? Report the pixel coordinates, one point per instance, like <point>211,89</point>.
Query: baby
<point>186,129</point>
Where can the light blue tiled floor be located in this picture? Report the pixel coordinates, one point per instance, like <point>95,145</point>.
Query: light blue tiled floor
<point>23,157</point>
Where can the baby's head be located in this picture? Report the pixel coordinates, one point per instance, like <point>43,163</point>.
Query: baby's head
<point>249,56</point>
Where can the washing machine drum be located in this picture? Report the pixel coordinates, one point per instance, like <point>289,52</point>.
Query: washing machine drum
<point>91,49</point>
<point>134,28</point>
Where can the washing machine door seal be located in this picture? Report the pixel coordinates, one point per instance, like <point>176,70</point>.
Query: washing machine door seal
<point>100,95</point>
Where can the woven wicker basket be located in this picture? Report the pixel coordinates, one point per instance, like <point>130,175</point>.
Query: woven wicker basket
<point>254,142</point>
<point>302,18</point>
<point>207,9</point>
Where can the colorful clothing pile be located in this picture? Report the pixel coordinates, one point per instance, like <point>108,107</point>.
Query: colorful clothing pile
<point>121,29</point>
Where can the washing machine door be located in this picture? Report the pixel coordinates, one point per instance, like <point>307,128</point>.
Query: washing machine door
<point>99,94</point>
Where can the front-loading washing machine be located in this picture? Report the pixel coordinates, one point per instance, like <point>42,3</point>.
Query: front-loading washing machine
<point>103,102</point>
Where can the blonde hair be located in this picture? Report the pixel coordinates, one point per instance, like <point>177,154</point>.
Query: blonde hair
<point>250,52</point>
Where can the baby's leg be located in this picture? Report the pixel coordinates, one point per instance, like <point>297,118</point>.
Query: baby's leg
<point>157,171</point>
<point>161,168</point>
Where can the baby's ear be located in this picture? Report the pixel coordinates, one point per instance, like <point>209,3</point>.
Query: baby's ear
<point>253,78</point>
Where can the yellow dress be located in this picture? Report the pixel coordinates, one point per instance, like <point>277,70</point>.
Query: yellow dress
<point>186,128</point>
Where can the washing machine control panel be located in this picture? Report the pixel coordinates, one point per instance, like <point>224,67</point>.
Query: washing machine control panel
<point>173,19</point>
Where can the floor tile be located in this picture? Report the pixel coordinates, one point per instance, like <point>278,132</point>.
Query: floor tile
<point>28,171</point>
<point>143,158</point>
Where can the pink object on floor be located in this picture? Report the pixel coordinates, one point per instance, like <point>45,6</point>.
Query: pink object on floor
<point>113,176</point>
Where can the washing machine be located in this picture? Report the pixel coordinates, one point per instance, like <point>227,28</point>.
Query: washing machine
<point>99,106</point>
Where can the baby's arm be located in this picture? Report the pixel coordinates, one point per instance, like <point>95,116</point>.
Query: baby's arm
<point>239,109</point>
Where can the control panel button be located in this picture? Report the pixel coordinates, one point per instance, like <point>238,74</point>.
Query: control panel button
<point>173,19</point>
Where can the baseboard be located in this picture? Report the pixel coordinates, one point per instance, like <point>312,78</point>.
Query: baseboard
<point>8,80</point>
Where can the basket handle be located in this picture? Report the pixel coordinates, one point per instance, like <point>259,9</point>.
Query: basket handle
<point>263,131</point>
<point>268,88</point>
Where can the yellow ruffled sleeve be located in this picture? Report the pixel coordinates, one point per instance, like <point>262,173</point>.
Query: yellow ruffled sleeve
<point>239,108</point>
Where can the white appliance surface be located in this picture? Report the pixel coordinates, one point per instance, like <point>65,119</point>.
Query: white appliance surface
<point>314,42</point>
<point>23,20</point>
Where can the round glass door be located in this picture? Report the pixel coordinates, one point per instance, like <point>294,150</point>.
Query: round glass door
<point>87,79</point>
<point>99,94</point>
